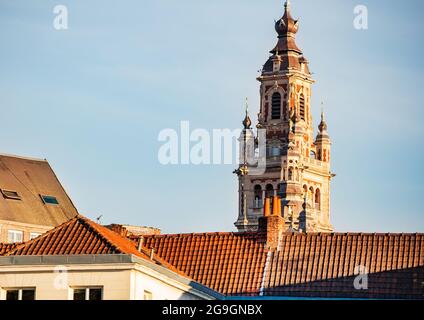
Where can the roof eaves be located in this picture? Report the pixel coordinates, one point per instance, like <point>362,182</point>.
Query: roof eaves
<point>22,157</point>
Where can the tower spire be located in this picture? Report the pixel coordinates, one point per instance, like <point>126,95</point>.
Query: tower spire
<point>247,122</point>
<point>323,125</point>
<point>287,5</point>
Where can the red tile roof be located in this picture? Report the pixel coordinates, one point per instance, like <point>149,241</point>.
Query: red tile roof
<point>228,262</point>
<point>5,247</point>
<point>312,265</point>
<point>80,235</point>
<point>77,236</point>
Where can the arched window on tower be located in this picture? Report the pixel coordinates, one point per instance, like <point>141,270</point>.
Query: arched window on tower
<point>311,195</point>
<point>290,174</point>
<point>276,106</point>
<point>302,106</point>
<point>269,191</point>
<point>258,196</point>
<point>318,199</point>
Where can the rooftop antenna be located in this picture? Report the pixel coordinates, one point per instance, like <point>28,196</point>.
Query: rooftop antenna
<point>99,218</point>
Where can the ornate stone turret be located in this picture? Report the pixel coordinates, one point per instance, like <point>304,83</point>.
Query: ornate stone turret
<point>297,164</point>
<point>322,141</point>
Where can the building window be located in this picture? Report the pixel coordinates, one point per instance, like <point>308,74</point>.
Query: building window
<point>302,106</point>
<point>311,195</point>
<point>49,200</point>
<point>305,190</point>
<point>312,155</point>
<point>290,174</point>
<point>276,106</point>
<point>258,197</point>
<point>20,294</point>
<point>34,235</point>
<point>88,293</point>
<point>147,295</point>
<point>15,236</point>
<point>317,199</point>
<point>269,191</point>
<point>8,194</point>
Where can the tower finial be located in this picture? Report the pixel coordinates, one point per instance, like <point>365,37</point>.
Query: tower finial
<point>247,122</point>
<point>287,5</point>
<point>323,125</point>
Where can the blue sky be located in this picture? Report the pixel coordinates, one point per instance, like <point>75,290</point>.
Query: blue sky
<point>92,100</point>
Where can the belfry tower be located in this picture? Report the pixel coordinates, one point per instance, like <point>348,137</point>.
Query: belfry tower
<point>297,162</point>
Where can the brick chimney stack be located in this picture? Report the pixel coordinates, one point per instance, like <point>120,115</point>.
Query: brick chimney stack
<point>272,225</point>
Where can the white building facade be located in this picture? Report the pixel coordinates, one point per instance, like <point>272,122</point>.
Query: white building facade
<point>94,277</point>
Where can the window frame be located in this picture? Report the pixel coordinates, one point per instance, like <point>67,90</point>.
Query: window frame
<point>147,293</point>
<point>87,292</point>
<point>15,232</point>
<point>44,196</point>
<point>7,194</point>
<point>20,292</point>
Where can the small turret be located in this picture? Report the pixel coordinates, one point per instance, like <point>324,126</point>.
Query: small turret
<point>322,141</point>
<point>247,123</point>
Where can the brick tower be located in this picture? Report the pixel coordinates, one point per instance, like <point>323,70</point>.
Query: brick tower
<point>297,162</point>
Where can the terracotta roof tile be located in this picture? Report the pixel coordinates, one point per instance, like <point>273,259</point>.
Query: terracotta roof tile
<point>6,247</point>
<point>80,235</point>
<point>313,265</point>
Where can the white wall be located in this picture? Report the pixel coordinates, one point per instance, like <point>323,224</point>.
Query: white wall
<point>119,281</point>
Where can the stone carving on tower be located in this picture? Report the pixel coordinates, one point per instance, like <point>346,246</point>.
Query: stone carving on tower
<point>297,163</point>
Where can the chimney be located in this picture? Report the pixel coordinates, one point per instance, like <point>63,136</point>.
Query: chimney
<point>140,243</point>
<point>272,226</point>
<point>267,209</point>
<point>119,229</point>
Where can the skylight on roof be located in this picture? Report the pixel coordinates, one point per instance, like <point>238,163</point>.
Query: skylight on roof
<point>49,199</point>
<point>9,194</point>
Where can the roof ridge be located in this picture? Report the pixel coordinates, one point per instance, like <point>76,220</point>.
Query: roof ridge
<point>143,250</point>
<point>332,234</point>
<point>100,230</point>
<point>199,234</point>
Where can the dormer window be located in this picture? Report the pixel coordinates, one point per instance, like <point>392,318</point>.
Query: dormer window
<point>49,200</point>
<point>9,194</point>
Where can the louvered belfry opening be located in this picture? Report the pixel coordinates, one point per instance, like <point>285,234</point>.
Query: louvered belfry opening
<point>276,106</point>
<point>302,107</point>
